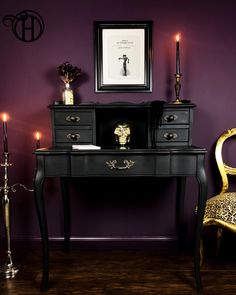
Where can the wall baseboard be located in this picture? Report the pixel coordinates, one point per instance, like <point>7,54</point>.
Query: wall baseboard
<point>95,242</point>
<point>101,238</point>
<point>117,239</point>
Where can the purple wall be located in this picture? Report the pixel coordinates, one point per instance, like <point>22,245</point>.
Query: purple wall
<point>29,83</point>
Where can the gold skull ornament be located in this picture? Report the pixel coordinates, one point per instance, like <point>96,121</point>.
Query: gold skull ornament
<point>122,132</point>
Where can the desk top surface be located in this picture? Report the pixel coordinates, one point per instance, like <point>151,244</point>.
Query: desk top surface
<point>115,150</point>
<point>122,104</point>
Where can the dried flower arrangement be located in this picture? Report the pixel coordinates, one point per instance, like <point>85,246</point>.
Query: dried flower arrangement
<point>68,73</point>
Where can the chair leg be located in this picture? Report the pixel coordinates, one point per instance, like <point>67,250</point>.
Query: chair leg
<point>219,238</point>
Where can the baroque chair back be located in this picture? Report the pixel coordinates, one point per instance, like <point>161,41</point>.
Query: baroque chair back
<point>224,169</point>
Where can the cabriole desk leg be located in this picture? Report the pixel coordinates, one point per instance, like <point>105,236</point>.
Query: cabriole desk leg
<point>202,182</point>
<point>40,207</point>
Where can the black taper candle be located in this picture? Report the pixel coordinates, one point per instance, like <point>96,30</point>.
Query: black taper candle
<point>5,142</point>
<point>177,55</point>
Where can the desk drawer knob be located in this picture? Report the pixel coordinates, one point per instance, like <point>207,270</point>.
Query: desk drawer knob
<point>73,119</point>
<point>73,136</point>
<point>170,118</point>
<point>127,164</point>
<point>170,135</point>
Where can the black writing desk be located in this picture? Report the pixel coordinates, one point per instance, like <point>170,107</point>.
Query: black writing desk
<point>66,163</point>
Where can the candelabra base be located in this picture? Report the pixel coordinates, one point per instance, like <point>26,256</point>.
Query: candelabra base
<point>177,101</point>
<point>9,271</point>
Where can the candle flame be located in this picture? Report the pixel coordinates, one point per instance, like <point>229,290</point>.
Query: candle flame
<point>177,37</point>
<point>37,135</point>
<point>5,117</point>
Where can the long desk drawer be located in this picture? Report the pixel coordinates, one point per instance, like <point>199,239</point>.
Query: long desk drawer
<point>112,165</point>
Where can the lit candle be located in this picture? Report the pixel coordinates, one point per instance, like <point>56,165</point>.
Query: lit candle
<point>177,54</point>
<point>37,136</point>
<point>5,143</point>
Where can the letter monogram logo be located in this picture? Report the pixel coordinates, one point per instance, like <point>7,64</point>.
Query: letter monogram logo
<point>27,25</point>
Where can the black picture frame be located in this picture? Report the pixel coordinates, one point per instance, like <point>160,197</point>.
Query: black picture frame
<point>123,56</point>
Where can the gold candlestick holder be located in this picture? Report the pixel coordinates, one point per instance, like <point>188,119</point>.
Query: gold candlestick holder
<point>177,89</point>
<point>9,270</point>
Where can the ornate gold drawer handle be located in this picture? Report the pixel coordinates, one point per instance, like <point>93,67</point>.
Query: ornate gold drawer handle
<point>170,118</point>
<point>112,164</point>
<point>73,136</point>
<point>73,119</point>
<point>170,135</point>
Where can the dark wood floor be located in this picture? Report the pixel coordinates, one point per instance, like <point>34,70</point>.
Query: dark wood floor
<point>162,270</point>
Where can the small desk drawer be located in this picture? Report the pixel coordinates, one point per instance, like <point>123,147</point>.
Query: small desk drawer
<point>74,135</point>
<point>73,118</point>
<point>175,117</point>
<point>176,136</point>
<point>112,165</point>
